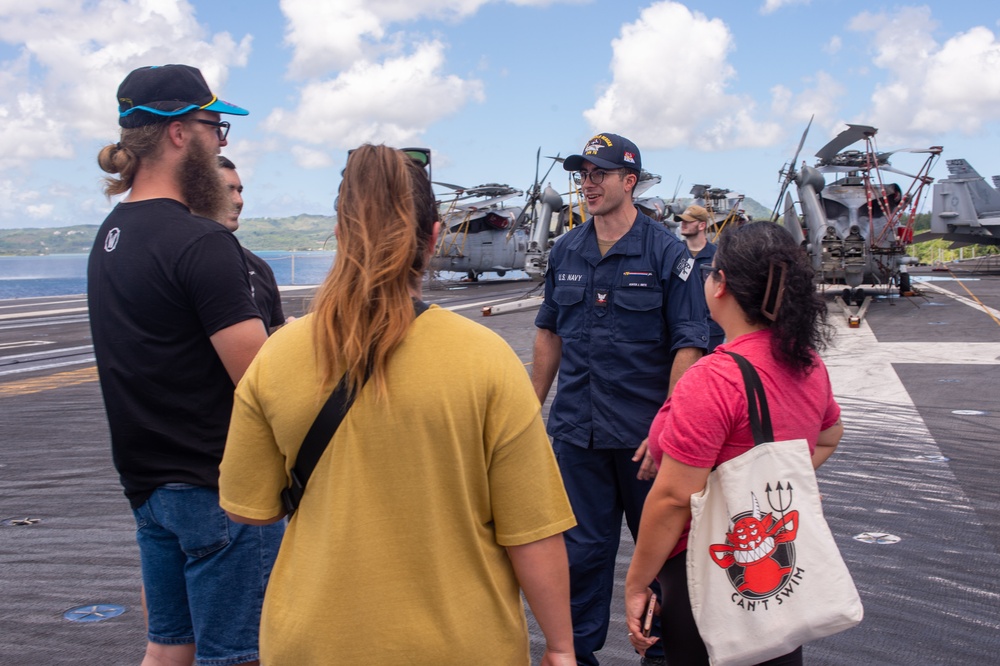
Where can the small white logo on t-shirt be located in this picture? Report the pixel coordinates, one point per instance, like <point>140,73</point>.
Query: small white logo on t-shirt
<point>111,242</point>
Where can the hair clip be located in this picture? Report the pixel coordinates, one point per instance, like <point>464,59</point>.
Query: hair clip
<point>772,312</point>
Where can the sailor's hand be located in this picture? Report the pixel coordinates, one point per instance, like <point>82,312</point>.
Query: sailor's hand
<point>647,470</point>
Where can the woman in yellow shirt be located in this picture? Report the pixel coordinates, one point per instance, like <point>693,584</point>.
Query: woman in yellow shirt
<point>437,499</point>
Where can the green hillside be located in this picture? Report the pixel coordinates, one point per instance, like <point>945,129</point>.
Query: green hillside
<point>302,232</point>
<point>64,240</point>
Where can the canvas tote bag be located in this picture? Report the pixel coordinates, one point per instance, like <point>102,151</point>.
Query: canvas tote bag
<point>764,573</point>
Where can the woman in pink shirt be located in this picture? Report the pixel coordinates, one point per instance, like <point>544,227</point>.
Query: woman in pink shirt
<point>760,290</point>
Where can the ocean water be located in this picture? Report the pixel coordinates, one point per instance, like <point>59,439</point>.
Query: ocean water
<point>65,274</point>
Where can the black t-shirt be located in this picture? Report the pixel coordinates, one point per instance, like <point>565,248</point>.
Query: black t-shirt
<point>160,282</point>
<point>265,290</point>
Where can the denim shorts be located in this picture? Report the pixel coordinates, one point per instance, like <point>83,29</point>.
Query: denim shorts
<point>204,575</point>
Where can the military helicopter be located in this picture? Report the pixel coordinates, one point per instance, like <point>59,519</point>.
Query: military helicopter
<point>965,208</point>
<point>723,205</point>
<point>857,228</point>
<point>483,234</point>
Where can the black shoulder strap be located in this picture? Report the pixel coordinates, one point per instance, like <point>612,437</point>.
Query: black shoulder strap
<point>321,433</point>
<point>760,421</point>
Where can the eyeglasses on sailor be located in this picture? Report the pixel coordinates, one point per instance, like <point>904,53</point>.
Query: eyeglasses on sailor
<point>596,176</point>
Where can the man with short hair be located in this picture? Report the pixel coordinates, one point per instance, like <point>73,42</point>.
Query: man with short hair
<point>175,326</point>
<point>694,228</point>
<point>265,287</point>
<point>623,317</point>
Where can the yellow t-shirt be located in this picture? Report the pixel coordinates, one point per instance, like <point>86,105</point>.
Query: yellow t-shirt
<point>396,554</point>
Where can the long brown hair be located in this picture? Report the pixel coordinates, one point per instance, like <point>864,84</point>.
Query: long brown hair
<point>123,157</point>
<point>385,218</point>
<point>751,254</point>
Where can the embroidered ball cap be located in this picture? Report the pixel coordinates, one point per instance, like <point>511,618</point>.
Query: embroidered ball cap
<point>692,214</point>
<point>156,94</point>
<point>607,151</point>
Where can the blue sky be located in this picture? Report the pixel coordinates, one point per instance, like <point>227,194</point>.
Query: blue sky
<point>712,92</point>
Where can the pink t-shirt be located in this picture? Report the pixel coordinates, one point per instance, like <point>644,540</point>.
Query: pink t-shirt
<point>705,422</point>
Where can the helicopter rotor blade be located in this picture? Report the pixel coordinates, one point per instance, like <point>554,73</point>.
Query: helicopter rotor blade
<point>458,188</point>
<point>802,141</point>
<point>791,172</point>
<point>538,162</point>
<point>556,159</point>
<point>852,134</point>
<point>677,189</point>
<point>892,169</point>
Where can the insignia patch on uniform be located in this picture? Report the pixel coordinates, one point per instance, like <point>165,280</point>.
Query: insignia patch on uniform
<point>601,298</point>
<point>684,267</point>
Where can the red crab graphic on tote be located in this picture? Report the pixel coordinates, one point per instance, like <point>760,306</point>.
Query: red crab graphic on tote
<point>759,555</point>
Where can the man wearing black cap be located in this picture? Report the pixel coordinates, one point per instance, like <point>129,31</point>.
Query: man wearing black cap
<point>623,317</point>
<point>175,326</point>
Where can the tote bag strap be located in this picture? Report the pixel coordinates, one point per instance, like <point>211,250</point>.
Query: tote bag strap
<point>760,416</point>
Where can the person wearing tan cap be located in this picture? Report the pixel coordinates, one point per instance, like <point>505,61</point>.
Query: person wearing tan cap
<point>694,227</point>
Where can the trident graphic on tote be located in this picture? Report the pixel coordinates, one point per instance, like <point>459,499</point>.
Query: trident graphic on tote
<point>759,553</point>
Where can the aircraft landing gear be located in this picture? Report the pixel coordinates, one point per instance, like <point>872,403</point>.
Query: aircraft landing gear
<point>905,288</point>
<point>851,299</point>
<point>853,296</point>
<point>472,276</point>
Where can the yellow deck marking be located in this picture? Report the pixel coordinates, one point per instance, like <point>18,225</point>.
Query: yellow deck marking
<point>973,297</point>
<point>58,380</point>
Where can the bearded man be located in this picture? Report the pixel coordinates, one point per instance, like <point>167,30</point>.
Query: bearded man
<point>175,326</point>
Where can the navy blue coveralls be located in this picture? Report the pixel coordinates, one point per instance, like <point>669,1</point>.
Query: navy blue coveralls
<point>716,335</point>
<point>621,317</point>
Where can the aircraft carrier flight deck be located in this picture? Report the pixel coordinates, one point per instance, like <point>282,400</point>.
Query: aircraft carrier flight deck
<point>912,494</point>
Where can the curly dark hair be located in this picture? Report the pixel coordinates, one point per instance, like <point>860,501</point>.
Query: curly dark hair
<point>746,256</point>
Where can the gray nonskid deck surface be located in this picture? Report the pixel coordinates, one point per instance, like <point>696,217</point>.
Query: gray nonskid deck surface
<point>931,598</point>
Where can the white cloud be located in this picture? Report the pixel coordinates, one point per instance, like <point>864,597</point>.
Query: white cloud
<point>391,101</point>
<point>308,158</point>
<point>834,45</point>
<point>41,211</point>
<point>771,6</point>
<point>58,93</point>
<point>685,103</point>
<point>931,88</point>
<point>74,54</point>
<point>329,36</point>
<point>820,100</point>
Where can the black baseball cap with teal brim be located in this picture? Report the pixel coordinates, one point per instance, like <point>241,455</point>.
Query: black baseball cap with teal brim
<point>159,93</point>
<point>607,151</point>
